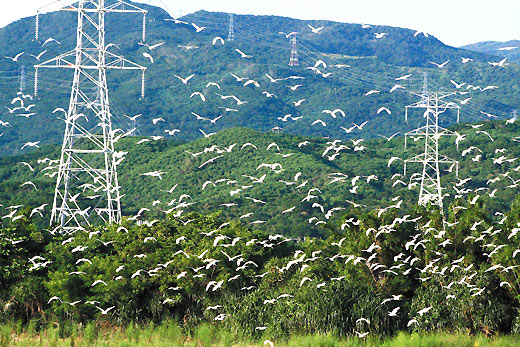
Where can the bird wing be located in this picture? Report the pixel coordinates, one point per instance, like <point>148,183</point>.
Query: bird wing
<point>218,38</point>
<point>148,56</point>
<point>155,46</point>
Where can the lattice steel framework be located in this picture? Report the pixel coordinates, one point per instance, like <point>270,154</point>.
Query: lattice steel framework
<point>22,78</point>
<point>430,180</point>
<point>231,32</point>
<point>88,159</point>
<point>294,51</point>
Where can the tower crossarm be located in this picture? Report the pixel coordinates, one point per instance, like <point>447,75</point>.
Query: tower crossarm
<point>116,7</point>
<point>64,60</point>
<point>112,62</point>
<point>121,63</point>
<point>440,95</point>
<point>443,105</point>
<point>421,158</point>
<point>433,101</point>
<point>428,130</point>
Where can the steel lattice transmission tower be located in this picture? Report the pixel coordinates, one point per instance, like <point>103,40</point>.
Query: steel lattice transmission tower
<point>22,78</point>
<point>430,179</point>
<point>88,160</point>
<point>231,32</point>
<point>294,51</point>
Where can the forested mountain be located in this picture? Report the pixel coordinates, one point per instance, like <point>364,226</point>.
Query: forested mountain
<point>357,63</point>
<point>311,229</point>
<point>507,49</point>
<point>281,183</point>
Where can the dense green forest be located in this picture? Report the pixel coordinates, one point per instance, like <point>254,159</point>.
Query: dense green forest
<point>379,274</point>
<point>314,180</point>
<point>357,62</point>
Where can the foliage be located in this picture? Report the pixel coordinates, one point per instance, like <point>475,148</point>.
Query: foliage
<point>316,285</point>
<point>210,186</point>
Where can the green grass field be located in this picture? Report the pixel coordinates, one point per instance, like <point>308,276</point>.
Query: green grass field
<point>170,334</point>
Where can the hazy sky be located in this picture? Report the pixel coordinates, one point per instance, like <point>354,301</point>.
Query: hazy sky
<point>455,22</point>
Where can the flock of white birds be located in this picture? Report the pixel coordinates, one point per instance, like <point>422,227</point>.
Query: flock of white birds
<point>21,106</point>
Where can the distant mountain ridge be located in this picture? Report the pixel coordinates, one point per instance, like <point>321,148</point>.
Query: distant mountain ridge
<point>507,49</point>
<point>400,47</point>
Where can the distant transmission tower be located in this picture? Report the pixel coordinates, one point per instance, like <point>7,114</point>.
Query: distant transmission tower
<point>88,159</point>
<point>22,78</point>
<point>430,180</point>
<point>294,52</point>
<point>424,94</point>
<point>37,28</point>
<point>231,33</point>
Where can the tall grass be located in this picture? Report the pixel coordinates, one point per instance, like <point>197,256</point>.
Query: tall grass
<point>5,335</point>
<point>169,333</point>
<point>443,339</point>
<point>90,332</point>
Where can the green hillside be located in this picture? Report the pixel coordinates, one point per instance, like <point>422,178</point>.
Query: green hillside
<point>336,175</point>
<point>373,64</point>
